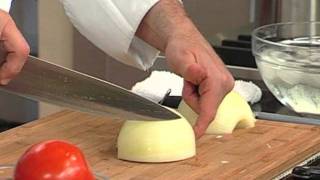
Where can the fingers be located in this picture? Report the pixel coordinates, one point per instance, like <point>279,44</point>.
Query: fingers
<point>16,49</point>
<point>212,90</point>
<point>203,92</point>
<point>207,80</point>
<point>191,96</point>
<point>208,103</point>
<point>199,93</point>
<point>193,75</point>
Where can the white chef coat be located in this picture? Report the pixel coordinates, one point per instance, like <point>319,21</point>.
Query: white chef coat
<point>111,26</point>
<point>5,5</point>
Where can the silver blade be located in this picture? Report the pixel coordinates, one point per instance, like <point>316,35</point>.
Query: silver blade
<point>44,81</point>
<point>287,119</point>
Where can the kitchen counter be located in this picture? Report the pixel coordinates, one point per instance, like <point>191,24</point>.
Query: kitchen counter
<point>262,152</point>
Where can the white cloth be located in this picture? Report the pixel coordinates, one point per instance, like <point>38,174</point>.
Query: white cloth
<point>248,90</point>
<point>111,26</point>
<point>156,86</point>
<point>5,5</point>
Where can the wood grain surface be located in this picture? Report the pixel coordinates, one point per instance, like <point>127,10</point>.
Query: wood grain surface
<point>258,153</point>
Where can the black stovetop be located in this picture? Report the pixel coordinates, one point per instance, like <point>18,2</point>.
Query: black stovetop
<point>309,171</point>
<point>236,52</point>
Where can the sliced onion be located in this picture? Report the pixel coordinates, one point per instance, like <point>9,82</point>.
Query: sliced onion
<point>156,141</point>
<point>233,112</point>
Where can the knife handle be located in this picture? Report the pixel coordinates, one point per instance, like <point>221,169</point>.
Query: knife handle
<point>172,101</point>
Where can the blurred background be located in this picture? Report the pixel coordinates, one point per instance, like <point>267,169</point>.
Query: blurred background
<point>226,24</point>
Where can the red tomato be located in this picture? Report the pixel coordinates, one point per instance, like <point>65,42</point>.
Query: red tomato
<point>52,160</point>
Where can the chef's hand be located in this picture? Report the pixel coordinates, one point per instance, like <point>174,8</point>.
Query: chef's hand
<point>207,80</point>
<point>13,49</point>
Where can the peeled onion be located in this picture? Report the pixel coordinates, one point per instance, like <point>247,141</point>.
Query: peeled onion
<point>156,141</point>
<point>233,112</point>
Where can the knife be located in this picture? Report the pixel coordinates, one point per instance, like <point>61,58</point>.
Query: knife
<point>44,81</point>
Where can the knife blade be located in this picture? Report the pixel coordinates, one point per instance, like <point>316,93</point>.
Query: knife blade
<point>44,81</point>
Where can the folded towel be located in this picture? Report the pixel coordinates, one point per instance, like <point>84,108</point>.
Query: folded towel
<point>248,90</point>
<point>159,83</point>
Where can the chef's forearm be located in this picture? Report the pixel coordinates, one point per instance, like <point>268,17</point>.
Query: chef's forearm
<point>167,19</point>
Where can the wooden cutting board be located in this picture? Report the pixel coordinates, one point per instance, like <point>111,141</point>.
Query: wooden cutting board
<point>258,153</point>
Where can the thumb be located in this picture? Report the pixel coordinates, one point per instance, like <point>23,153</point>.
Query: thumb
<point>193,76</point>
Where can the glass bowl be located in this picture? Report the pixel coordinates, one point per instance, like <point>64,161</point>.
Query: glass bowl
<point>6,173</point>
<point>288,59</point>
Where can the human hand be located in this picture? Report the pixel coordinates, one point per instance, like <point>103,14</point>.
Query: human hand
<point>188,54</point>
<point>14,49</point>
<point>207,80</point>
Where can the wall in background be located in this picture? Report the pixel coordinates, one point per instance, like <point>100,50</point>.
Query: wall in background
<point>218,20</point>
<point>12,107</point>
<point>55,41</point>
